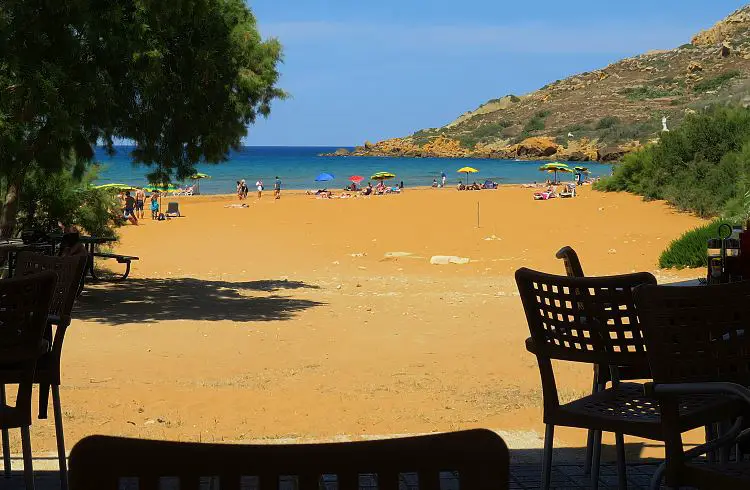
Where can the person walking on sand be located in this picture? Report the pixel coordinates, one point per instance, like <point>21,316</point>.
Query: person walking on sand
<point>277,188</point>
<point>259,186</point>
<point>130,208</point>
<point>239,190</point>
<point>140,200</point>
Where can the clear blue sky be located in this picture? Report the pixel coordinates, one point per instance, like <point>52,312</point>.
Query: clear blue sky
<point>374,69</point>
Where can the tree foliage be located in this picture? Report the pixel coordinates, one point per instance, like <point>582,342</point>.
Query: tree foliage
<point>181,79</point>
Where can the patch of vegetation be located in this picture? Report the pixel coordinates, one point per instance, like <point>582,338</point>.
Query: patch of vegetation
<point>607,122</point>
<point>541,114</point>
<point>716,82</point>
<point>534,124</point>
<point>643,92</point>
<point>630,131</point>
<point>690,249</point>
<point>687,46</point>
<point>514,98</point>
<point>702,166</point>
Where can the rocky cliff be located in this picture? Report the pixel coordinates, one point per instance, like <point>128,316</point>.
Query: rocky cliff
<point>598,115</point>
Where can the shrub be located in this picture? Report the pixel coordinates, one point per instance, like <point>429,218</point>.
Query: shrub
<point>514,98</point>
<point>534,124</point>
<point>607,122</point>
<point>690,249</point>
<point>701,166</point>
<point>67,198</point>
<point>716,82</point>
<point>687,46</point>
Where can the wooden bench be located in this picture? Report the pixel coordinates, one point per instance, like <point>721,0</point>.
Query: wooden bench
<point>121,259</point>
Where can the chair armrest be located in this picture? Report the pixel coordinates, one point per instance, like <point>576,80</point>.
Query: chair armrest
<point>711,387</point>
<point>58,320</point>
<point>530,345</point>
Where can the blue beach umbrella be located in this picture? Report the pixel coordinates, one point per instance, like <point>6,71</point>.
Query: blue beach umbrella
<point>324,177</point>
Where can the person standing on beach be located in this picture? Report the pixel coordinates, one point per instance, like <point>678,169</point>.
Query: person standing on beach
<point>277,188</point>
<point>154,205</point>
<point>239,190</point>
<point>442,178</point>
<point>140,199</point>
<point>259,186</point>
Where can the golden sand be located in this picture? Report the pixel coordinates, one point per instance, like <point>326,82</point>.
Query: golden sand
<point>313,318</point>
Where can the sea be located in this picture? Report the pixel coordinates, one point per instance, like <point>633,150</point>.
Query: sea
<point>298,166</point>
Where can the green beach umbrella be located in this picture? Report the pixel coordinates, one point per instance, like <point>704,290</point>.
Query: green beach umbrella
<point>199,175</point>
<point>555,167</point>
<point>383,176</point>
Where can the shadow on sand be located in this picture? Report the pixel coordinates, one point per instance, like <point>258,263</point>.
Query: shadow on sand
<point>152,300</point>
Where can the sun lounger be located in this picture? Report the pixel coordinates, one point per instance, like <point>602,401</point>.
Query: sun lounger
<point>173,210</point>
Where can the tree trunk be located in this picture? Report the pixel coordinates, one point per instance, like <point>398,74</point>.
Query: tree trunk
<point>9,211</point>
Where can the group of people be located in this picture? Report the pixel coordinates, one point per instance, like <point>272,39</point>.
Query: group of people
<point>443,179</point>
<point>476,187</point>
<point>133,207</point>
<point>368,190</point>
<point>242,189</point>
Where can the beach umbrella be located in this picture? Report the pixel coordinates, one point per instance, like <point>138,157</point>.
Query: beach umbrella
<point>383,176</point>
<point>324,177</point>
<point>555,167</point>
<point>467,171</point>
<point>356,179</point>
<point>115,187</point>
<point>196,178</point>
<point>583,170</point>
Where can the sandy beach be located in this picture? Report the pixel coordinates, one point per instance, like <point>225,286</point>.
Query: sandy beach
<point>308,318</point>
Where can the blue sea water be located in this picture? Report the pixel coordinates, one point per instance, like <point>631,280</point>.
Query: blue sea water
<point>298,166</point>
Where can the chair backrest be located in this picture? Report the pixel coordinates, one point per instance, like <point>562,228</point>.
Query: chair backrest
<point>697,334</point>
<point>569,257</point>
<point>584,319</point>
<point>69,273</point>
<point>478,459</point>
<point>173,207</point>
<point>24,305</point>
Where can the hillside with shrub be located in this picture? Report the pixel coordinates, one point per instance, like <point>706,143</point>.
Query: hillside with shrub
<point>600,114</point>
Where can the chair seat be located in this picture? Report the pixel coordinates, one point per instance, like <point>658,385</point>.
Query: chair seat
<point>626,409</point>
<point>14,356</point>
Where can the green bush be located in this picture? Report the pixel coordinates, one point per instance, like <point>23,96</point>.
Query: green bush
<point>716,82</point>
<point>690,249</point>
<point>700,166</point>
<point>514,98</point>
<point>68,198</point>
<point>607,122</point>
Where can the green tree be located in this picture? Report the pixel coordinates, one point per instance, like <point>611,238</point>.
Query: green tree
<point>181,79</point>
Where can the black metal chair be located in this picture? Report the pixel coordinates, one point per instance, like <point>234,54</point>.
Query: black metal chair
<point>593,320</point>
<point>476,459</point>
<point>698,341</point>
<point>24,302</point>
<point>69,274</point>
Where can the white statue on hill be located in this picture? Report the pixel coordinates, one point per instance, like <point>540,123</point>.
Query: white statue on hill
<point>664,124</point>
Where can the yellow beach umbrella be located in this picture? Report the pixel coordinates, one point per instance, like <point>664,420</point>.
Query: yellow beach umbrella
<point>467,171</point>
